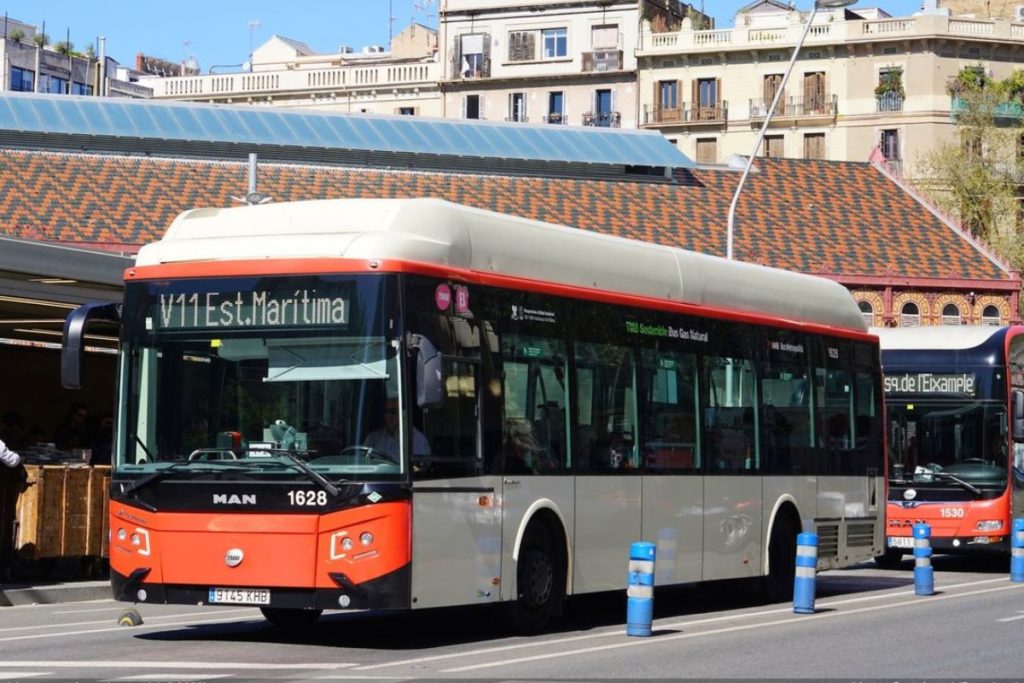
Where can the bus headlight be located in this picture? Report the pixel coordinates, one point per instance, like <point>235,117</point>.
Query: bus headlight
<point>989,525</point>
<point>346,544</point>
<point>366,538</point>
<point>122,534</point>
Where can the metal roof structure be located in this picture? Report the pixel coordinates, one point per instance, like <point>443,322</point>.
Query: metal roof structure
<point>45,120</point>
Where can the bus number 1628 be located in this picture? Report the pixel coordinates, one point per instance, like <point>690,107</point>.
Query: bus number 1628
<point>310,498</point>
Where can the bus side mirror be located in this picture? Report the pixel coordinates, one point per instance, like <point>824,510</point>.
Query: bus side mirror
<point>429,372</point>
<point>1017,407</point>
<point>72,354</point>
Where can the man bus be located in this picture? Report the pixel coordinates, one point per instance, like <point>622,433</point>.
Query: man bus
<point>955,453</point>
<point>577,392</point>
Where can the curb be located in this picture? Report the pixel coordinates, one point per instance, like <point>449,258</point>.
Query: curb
<point>46,594</point>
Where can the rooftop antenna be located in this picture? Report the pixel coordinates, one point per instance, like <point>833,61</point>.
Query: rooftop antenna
<point>253,25</point>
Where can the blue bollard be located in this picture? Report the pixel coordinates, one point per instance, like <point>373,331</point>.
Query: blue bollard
<point>924,577</point>
<point>1017,551</point>
<point>640,590</point>
<point>806,566</point>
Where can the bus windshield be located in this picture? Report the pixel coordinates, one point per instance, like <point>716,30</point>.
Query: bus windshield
<point>941,442</point>
<point>260,377</point>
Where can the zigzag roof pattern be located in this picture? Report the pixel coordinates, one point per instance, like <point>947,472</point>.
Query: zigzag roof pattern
<point>841,218</point>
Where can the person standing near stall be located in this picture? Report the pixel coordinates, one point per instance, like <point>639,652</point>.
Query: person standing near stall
<point>9,457</point>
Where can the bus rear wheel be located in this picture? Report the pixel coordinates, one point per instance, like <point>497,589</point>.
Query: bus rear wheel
<point>778,585</point>
<point>290,618</point>
<point>538,583</point>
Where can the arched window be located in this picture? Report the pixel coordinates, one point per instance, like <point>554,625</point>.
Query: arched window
<point>910,315</point>
<point>867,312</point>
<point>990,315</point>
<point>951,314</point>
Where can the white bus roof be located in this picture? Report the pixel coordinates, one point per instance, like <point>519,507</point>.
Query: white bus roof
<point>451,235</point>
<point>939,337</point>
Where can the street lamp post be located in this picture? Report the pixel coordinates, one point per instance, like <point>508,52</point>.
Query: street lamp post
<point>818,4</point>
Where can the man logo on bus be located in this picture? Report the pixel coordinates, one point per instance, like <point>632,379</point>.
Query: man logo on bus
<point>234,499</point>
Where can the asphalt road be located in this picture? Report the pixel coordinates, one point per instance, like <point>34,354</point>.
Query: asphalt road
<point>868,624</point>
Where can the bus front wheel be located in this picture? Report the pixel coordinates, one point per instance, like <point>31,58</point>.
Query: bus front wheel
<point>890,559</point>
<point>538,583</point>
<point>290,618</point>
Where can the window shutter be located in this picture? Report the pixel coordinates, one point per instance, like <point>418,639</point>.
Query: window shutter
<point>718,92</point>
<point>695,95</point>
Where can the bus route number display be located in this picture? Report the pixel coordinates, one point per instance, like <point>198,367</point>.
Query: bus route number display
<point>254,308</point>
<point>929,383</point>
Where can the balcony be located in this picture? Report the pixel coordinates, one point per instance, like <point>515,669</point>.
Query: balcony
<point>602,119</point>
<point>602,60</point>
<point>889,102</point>
<point>556,118</point>
<point>1003,112</point>
<point>692,115</point>
<point>796,110</point>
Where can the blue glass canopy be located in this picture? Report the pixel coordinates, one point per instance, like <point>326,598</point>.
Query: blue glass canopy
<point>248,125</point>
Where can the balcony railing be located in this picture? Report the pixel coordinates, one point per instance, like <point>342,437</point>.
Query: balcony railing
<point>889,102</point>
<point>796,107</point>
<point>556,118</point>
<point>602,119</point>
<point>687,115</point>
<point>602,60</point>
<point>1004,111</point>
<point>828,29</point>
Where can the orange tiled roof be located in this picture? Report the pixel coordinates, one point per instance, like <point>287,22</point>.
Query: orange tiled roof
<point>813,216</point>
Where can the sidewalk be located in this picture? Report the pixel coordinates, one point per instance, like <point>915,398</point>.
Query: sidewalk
<point>45,593</point>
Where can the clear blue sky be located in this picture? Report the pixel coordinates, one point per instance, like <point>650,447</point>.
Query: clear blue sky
<point>217,32</point>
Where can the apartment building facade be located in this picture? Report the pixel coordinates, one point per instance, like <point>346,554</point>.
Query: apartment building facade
<point>864,80</point>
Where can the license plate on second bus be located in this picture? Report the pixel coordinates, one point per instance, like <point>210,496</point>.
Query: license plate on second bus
<point>239,596</point>
<point>901,542</point>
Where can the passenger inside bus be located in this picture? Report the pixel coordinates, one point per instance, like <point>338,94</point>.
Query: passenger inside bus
<point>520,451</point>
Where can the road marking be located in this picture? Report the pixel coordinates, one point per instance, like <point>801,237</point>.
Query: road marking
<point>792,619</point>
<point>113,606</point>
<point>1017,618</point>
<point>15,675</point>
<point>617,630</point>
<point>107,621</point>
<point>121,664</point>
<point>170,677</point>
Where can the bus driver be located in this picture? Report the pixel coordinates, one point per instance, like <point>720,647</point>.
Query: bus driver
<point>385,439</point>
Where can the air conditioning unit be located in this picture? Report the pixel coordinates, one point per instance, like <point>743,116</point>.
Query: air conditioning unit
<point>344,49</point>
<point>1018,13</point>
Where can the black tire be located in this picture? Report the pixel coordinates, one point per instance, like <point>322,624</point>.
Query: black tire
<point>290,618</point>
<point>890,559</point>
<point>778,585</point>
<point>539,583</point>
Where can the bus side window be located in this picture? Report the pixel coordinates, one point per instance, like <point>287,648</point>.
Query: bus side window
<point>668,411</point>
<point>729,415</point>
<point>534,439</point>
<point>606,408</point>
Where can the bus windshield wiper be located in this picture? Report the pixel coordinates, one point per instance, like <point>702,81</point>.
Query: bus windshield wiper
<point>175,466</point>
<point>966,484</point>
<point>304,466</point>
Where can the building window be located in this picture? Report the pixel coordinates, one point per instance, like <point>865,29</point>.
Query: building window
<point>22,80</point>
<point>707,92</point>
<point>889,92</point>
<point>522,46</point>
<point>556,107</point>
<point>774,146</point>
<point>814,145</point>
<point>815,97</point>
<point>556,43</point>
<point>55,85</point>
<point>81,89</point>
<point>471,108</point>
<point>951,315</point>
<point>517,107</point>
<point>910,315</point>
<point>472,50</point>
<point>867,312</point>
<point>990,315</point>
<point>668,95</point>
<point>891,144</point>
<point>707,151</point>
<point>407,111</point>
<point>604,37</point>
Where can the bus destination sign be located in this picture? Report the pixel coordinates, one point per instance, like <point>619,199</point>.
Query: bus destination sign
<point>252,308</point>
<point>930,383</point>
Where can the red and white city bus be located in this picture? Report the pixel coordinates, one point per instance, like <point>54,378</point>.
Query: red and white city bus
<point>955,453</point>
<point>550,395</point>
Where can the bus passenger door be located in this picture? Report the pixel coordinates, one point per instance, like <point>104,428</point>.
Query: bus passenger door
<point>456,522</point>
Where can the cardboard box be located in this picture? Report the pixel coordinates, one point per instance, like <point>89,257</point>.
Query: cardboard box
<point>63,512</point>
